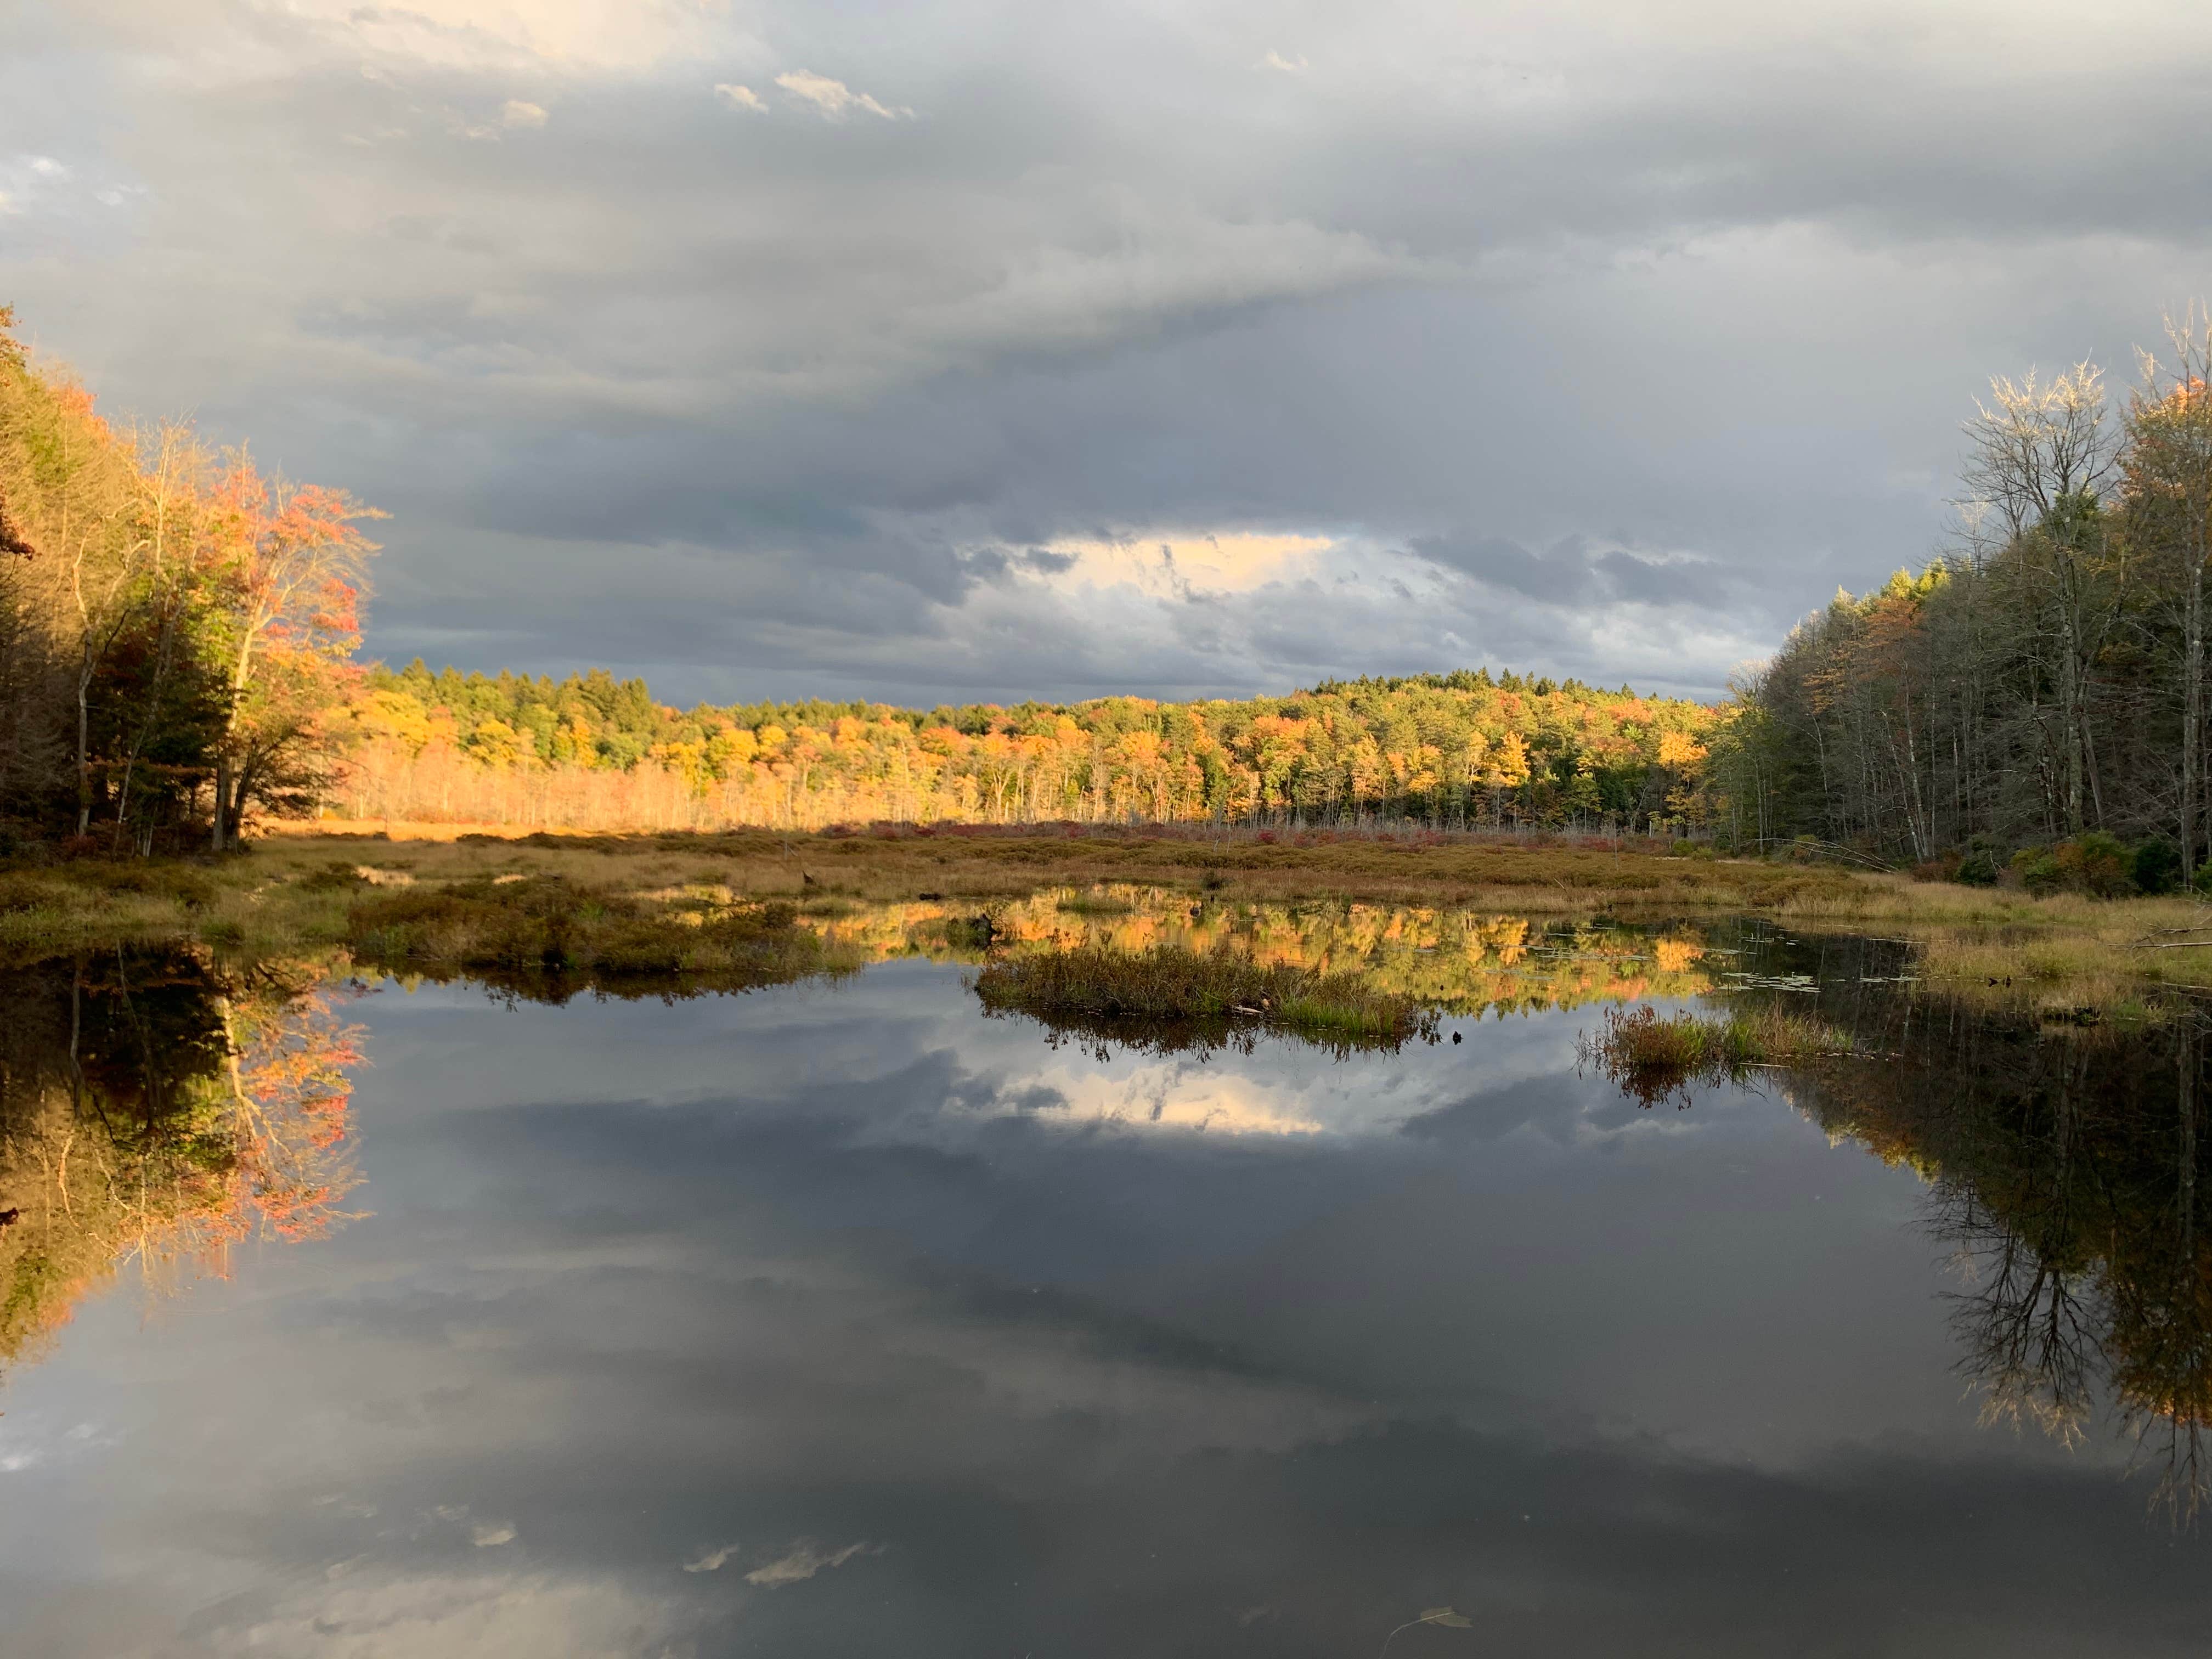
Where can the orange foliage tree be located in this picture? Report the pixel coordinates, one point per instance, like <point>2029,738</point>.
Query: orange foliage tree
<point>1457,750</point>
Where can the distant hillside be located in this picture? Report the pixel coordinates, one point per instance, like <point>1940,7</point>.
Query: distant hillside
<point>1461,749</point>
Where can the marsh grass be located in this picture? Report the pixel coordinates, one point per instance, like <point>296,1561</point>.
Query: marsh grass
<point>1095,904</point>
<point>296,889</point>
<point>1171,997</point>
<point>548,926</point>
<point>1653,1057</point>
<point>977,862</point>
<point>2062,953</point>
<point>93,901</point>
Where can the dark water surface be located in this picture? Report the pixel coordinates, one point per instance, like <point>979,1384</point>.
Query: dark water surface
<point>841,1320</point>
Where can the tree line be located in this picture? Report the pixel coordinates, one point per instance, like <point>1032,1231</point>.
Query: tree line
<point>176,628</point>
<point>2036,694</point>
<point>1460,750</point>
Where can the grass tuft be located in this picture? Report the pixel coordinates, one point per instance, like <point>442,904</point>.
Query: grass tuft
<point>1653,1057</point>
<point>1169,990</point>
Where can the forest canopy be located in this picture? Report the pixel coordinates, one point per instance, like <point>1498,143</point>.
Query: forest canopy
<point>1461,750</point>
<point>2043,681</point>
<point>175,626</point>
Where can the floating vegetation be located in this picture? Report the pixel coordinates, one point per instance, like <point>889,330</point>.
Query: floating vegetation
<point>1770,981</point>
<point>1170,997</point>
<point>1654,1057</point>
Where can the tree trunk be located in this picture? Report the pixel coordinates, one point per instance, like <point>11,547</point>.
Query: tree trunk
<point>84,747</point>
<point>222,797</point>
<point>2192,707</point>
<point>2070,722</point>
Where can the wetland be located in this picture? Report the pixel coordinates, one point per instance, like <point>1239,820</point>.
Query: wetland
<point>831,1299</point>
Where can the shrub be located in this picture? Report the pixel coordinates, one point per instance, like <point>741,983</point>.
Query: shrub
<point>1978,868</point>
<point>2094,862</point>
<point>2098,863</point>
<point>2157,867</point>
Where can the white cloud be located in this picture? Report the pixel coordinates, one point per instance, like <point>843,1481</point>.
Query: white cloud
<point>30,182</point>
<point>713,1560</point>
<point>803,1560</point>
<point>583,36</point>
<point>739,97</point>
<point>1275,60</point>
<point>834,98</point>
<point>435,1615</point>
<point>1180,564</point>
<point>517,113</point>
<point>488,1534</point>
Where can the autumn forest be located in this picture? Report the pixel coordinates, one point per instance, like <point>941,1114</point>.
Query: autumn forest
<point>177,637</point>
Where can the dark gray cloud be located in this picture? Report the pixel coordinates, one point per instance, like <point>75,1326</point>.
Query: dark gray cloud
<point>789,391</point>
<point>1575,573</point>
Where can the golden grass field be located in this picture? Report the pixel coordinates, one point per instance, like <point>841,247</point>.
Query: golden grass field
<point>305,886</point>
<point>1009,864</point>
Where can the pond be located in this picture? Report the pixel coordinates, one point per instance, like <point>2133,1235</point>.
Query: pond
<point>839,1318</point>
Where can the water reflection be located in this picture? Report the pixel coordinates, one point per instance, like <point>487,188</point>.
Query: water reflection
<point>2063,1164</point>
<point>155,1111</point>
<point>1468,961</point>
<point>836,1318</point>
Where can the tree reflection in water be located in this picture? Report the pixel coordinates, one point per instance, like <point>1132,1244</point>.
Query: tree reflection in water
<point>2063,1162</point>
<point>1471,961</point>
<point>156,1110</point>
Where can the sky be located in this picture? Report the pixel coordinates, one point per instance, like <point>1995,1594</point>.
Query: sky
<point>970,350</point>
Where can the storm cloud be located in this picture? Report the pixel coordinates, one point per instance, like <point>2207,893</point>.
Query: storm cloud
<point>847,349</point>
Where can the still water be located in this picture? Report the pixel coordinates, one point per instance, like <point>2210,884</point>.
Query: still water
<point>838,1319</point>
